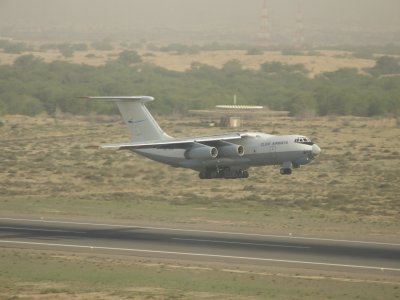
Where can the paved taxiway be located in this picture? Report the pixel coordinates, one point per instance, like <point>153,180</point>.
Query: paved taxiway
<point>198,245</point>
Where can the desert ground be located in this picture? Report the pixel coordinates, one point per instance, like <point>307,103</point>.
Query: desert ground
<point>50,167</point>
<point>52,162</point>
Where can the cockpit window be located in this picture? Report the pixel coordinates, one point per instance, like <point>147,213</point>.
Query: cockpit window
<point>303,140</point>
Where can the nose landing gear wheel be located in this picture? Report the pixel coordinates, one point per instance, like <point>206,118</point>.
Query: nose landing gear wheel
<point>286,171</point>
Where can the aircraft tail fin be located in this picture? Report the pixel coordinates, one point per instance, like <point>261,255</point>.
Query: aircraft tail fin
<point>140,122</point>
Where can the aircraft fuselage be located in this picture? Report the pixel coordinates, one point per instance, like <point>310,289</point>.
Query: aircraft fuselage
<point>260,149</point>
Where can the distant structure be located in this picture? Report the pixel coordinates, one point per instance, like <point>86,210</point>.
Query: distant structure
<point>232,115</point>
<point>235,106</point>
<point>298,40</point>
<point>264,36</point>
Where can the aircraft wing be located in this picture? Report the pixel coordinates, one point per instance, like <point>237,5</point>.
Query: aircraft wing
<point>177,143</point>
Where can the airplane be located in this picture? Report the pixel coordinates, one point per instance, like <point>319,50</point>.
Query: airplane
<point>227,155</point>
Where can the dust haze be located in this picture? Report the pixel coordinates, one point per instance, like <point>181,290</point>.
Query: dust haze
<point>198,21</point>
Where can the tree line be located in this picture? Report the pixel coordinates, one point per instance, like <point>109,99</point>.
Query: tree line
<point>31,86</point>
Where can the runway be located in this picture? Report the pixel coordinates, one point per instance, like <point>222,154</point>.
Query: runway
<point>205,246</point>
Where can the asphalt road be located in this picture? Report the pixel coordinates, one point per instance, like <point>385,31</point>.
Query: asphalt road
<point>196,245</point>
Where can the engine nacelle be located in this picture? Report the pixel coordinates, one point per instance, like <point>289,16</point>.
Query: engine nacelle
<point>230,150</point>
<point>201,152</point>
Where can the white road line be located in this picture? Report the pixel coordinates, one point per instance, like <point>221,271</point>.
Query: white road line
<point>203,255</point>
<point>206,231</point>
<point>241,243</point>
<point>45,230</point>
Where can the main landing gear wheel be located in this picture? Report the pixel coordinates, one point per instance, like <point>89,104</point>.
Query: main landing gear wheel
<point>243,174</point>
<point>205,175</point>
<point>226,173</point>
<point>286,171</point>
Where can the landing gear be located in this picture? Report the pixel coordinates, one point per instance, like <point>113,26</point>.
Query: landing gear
<point>286,171</point>
<point>205,175</point>
<point>224,173</point>
<point>286,168</point>
<point>243,174</point>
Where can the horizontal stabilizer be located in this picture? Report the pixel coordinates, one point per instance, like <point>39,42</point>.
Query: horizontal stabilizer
<point>121,98</point>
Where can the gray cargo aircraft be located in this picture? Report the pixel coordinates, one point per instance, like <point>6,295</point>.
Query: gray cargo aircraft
<point>227,155</point>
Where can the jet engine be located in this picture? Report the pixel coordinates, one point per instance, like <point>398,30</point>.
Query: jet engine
<point>230,150</point>
<point>201,152</point>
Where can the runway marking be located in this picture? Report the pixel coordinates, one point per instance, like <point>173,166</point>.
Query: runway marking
<point>242,243</point>
<point>45,230</point>
<point>202,255</point>
<point>207,231</point>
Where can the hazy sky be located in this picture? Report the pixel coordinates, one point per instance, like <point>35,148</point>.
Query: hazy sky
<point>208,15</point>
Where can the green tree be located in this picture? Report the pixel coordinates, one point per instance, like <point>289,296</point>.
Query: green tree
<point>26,61</point>
<point>30,86</point>
<point>66,50</point>
<point>129,57</point>
<point>303,105</point>
<point>16,48</point>
<point>21,104</point>
<point>385,65</point>
<point>232,67</point>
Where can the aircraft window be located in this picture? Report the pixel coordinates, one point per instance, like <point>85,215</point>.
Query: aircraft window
<point>302,140</point>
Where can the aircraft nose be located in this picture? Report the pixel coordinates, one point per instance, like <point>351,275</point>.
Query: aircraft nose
<point>316,150</point>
